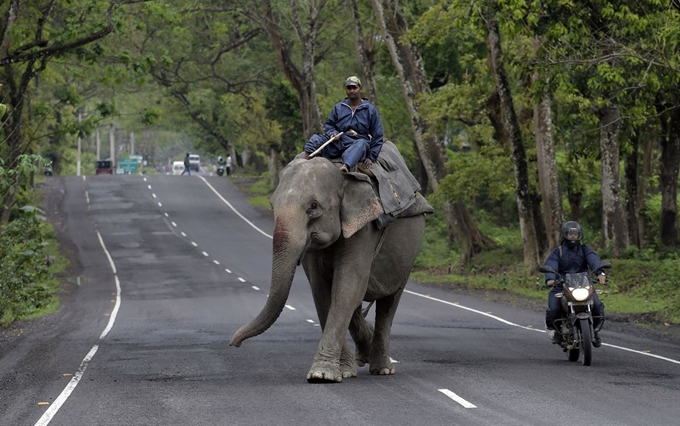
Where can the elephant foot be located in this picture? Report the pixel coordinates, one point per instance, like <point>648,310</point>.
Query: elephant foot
<point>325,372</point>
<point>348,371</point>
<point>382,368</point>
<point>347,366</point>
<point>362,358</point>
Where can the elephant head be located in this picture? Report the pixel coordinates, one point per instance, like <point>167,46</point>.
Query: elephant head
<point>314,205</point>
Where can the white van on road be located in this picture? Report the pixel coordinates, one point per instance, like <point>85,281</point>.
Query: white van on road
<point>177,167</point>
<point>195,162</point>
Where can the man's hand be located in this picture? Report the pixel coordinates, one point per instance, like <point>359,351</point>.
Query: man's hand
<point>550,283</point>
<point>602,278</point>
<point>368,163</point>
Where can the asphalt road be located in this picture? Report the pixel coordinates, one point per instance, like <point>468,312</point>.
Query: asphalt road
<point>169,267</point>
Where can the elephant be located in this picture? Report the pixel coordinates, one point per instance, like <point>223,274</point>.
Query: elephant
<point>324,220</point>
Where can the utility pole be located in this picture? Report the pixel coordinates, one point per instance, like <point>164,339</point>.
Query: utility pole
<point>80,118</point>
<point>113,147</point>
<point>132,144</point>
<point>99,143</point>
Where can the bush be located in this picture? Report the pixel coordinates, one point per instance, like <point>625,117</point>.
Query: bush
<point>24,268</point>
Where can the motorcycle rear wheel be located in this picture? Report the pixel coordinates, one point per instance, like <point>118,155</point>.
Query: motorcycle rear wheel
<point>586,343</point>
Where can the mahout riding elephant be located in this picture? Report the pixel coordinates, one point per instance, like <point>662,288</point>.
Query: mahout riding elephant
<point>323,220</point>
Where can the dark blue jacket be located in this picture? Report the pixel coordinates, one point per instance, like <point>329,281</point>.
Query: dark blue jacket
<point>575,258</point>
<point>365,120</point>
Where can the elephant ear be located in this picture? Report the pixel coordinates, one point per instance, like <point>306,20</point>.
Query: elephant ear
<point>359,204</point>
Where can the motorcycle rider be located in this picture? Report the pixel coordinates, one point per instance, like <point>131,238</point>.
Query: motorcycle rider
<point>568,258</point>
<point>220,165</point>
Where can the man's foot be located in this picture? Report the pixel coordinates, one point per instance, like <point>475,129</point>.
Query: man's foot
<point>597,342</point>
<point>557,339</point>
<point>553,335</point>
<point>344,168</point>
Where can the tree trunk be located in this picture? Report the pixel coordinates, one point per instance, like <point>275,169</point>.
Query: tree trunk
<point>553,213</point>
<point>408,62</point>
<point>575,199</point>
<point>273,163</point>
<point>302,80</point>
<point>366,51</point>
<point>12,126</point>
<point>668,170</point>
<point>465,227</point>
<point>511,124</point>
<point>630,173</point>
<point>613,223</point>
<point>645,179</point>
<point>13,133</point>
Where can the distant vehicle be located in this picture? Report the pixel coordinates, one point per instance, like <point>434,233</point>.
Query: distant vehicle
<point>177,167</point>
<point>103,167</point>
<point>48,169</point>
<point>194,161</point>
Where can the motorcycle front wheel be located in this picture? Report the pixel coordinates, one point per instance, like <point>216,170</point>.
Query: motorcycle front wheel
<point>586,343</point>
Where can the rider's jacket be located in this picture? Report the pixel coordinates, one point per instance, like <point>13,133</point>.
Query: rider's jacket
<point>573,259</point>
<point>364,120</point>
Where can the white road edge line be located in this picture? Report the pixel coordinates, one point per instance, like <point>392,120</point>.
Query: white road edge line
<point>234,210</point>
<point>108,256</point>
<point>114,313</point>
<point>456,398</point>
<point>530,328</point>
<point>47,416</point>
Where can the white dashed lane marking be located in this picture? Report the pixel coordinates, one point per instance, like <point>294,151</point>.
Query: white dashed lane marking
<point>456,398</point>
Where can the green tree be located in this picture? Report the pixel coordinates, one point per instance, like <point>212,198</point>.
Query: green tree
<point>33,36</point>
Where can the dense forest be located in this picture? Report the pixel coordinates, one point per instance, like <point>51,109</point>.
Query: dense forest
<point>520,113</point>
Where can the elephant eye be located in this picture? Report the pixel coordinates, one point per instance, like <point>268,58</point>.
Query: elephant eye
<point>314,209</point>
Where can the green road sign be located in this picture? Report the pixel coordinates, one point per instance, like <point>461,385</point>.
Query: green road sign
<point>129,165</point>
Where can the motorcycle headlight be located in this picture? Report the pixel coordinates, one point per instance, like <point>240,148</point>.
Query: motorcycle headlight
<point>580,294</point>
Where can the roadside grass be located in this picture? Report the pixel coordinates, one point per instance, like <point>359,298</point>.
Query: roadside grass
<point>52,284</point>
<point>41,299</point>
<point>643,286</point>
<point>256,187</point>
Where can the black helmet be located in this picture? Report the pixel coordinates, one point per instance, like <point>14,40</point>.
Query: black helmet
<point>572,227</point>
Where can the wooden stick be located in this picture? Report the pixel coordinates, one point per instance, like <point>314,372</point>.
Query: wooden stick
<point>325,144</point>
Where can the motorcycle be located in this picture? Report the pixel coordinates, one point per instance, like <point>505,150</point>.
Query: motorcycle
<point>577,327</point>
<point>220,170</point>
<point>48,169</point>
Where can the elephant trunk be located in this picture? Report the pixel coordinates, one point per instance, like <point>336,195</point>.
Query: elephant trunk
<point>286,255</point>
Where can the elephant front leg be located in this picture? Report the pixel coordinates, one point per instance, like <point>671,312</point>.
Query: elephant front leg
<point>334,360</point>
<point>326,365</point>
<point>326,369</point>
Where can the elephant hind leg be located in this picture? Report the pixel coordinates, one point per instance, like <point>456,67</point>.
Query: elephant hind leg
<point>362,334</point>
<point>380,362</point>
